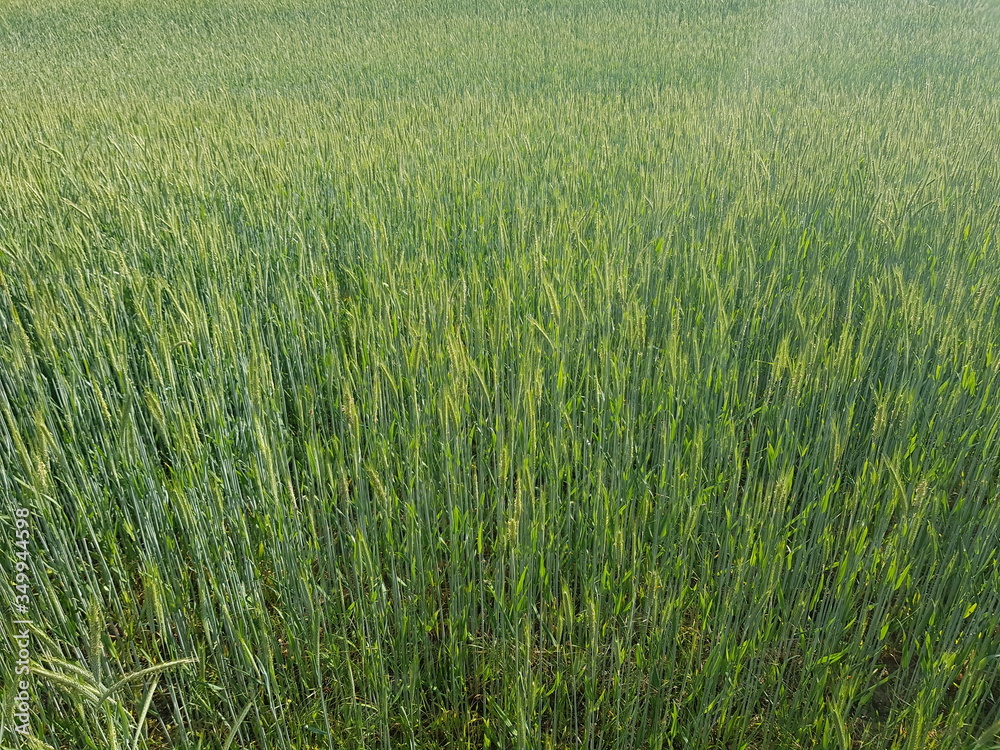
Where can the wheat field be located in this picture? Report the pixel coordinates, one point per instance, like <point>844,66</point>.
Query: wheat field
<point>501,374</point>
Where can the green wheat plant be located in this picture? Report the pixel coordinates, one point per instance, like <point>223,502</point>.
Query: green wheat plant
<point>87,689</point>
<point>592,374</point>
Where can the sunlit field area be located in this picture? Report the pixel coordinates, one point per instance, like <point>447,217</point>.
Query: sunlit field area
<point>500,374</point>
